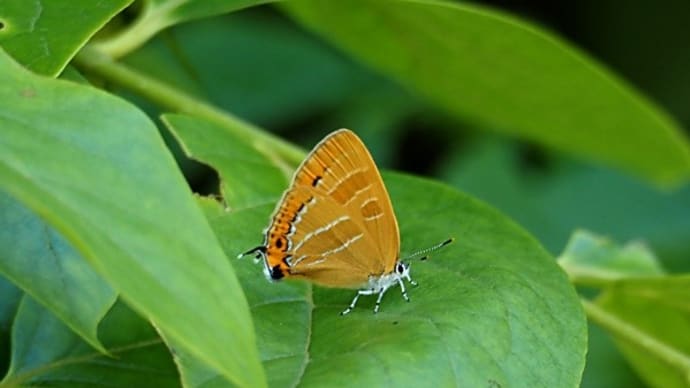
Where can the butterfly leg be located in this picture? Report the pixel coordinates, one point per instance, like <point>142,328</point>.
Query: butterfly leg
<point>404,291</point>
<point>409,279</point>
<point>356,298</point>
<point>378,300</point>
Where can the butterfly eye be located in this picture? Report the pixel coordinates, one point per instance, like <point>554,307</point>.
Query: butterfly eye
<point>400,268</point>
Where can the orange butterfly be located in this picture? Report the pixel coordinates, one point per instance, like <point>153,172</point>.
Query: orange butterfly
<point>335,225</point>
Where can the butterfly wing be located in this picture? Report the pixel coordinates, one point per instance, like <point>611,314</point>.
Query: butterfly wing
<point>335,225</point>
<point>342,168</point>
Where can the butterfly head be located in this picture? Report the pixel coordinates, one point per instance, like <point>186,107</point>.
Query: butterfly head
<point>402,269</point>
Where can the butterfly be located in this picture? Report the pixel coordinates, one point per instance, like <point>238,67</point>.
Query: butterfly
<point>335,225</point>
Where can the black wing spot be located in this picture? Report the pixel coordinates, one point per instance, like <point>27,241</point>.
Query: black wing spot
<point>316,180</point>
<point>277,273</point>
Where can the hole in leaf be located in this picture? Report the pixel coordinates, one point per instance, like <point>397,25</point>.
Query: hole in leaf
<point>202,179</point>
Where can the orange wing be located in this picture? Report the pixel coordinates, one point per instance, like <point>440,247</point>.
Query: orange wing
<point>335,225</point>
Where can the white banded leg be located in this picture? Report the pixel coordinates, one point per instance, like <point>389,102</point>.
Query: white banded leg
<point>409,279</point>
<point>381,292</point>
<point>354,301</point>
<point>378,300</point>
<point>404,291</point>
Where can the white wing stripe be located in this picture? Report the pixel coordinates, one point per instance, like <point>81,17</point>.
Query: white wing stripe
<point>346,177</point>
<point>372,218</point>
<point>344,246</point>
<point>365,203</point>
<point>320,230</point>
<point>357,193</point>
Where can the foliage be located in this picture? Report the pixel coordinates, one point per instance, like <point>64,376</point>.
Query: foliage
<point>111,271</point>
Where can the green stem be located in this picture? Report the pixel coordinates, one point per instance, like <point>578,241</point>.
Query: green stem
<point>588,278</point>
<point>95,62</point>
<point>632,335</point>
<point>135,36</point>
<point>151,20</point>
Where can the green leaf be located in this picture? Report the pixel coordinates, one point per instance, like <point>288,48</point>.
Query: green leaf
<point>492,308</point>
<point>588,256</point>
<point>514,77</point>
<point>483,305</point>
<point>44,265</point>
<point>156,15</point>
<point>46,352</point>
<point>43,35</point>
<point>96,169</point>
<point>658,309</point>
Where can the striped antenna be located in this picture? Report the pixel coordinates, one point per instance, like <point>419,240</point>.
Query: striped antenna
<point>423,253</point>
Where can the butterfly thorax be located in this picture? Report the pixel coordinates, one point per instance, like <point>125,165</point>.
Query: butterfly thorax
<point>382,282</point>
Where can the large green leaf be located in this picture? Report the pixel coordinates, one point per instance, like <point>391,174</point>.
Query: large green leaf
<point>95,168</point>
<point>39,260</point>
<point>514,77</point>
<point>588,256</point>
<point>659,309</point>
<point>46,352</point>
<point>43,35</point>
<point>492,308</point>
<point>158,14</point>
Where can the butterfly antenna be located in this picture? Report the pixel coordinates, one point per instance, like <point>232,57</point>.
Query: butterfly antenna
<point>426,251</point>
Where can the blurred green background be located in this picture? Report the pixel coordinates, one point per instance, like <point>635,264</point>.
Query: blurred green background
<point>271,72</point>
